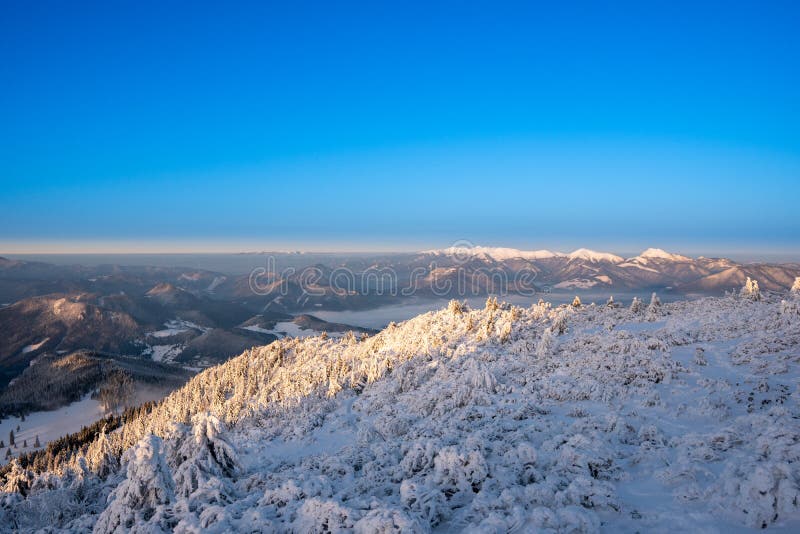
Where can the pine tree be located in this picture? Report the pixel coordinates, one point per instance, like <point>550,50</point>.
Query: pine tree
<point>636,305</point>
<point>24,443</point>
<point>610,303</point>
<point>11,438</point>
<point>576,303</point>
<point>36,443</point>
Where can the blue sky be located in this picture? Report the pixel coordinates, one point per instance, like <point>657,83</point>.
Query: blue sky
<point>184,126</point>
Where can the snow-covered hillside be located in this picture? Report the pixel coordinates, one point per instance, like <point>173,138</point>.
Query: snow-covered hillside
<point>674,417</point>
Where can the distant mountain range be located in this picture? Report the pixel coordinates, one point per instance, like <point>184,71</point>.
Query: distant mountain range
<point>654,269</point>
<point>193,318</point>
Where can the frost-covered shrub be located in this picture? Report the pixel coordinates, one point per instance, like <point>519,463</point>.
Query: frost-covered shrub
<point>560,322</point>
<point>546,343</point>
<point>387,521</point>
<point>316,516</point>
<point>426,503</point>
<point>762,493</point>
<point>700,357</point>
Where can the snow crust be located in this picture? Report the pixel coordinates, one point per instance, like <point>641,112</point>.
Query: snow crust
<point>682,416</point>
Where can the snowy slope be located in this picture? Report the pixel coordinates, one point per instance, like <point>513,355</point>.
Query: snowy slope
<point>675,417</point>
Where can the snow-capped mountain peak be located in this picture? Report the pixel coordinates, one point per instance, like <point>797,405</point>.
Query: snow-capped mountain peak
<point>660,254</point>
<point>495,253</point>
<point>593,256</point>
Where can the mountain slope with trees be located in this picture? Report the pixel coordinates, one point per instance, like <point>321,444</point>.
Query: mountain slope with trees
<point>572,418</point>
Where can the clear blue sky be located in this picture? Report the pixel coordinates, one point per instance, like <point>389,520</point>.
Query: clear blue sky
<point>399,125</point>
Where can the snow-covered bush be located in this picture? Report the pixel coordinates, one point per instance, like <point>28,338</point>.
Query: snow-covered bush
<point>456,307</point>
<point>560,322</point>
<point>545,345</point>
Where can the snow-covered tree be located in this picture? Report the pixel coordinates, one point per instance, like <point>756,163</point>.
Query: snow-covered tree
<point>576,302</point>
<point>750,290</point>
<point>204,456</point>
<point>796,287</point>
<point>18,480</point>
<point>145,491</point>
<point>610,302</point>
<point>636,306</point>
<point>654,308</point>
<point>100,456</point>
